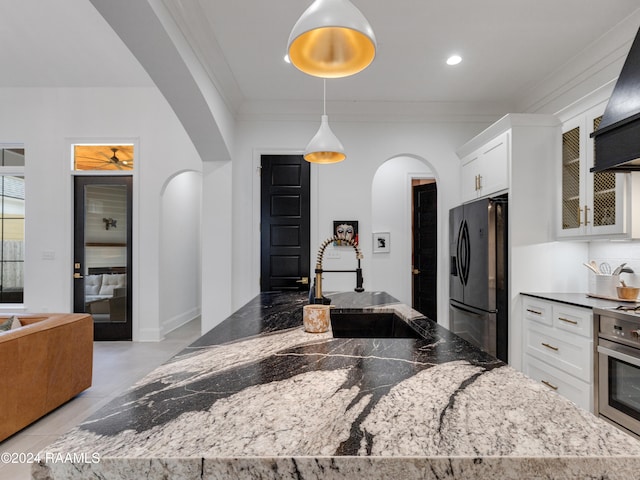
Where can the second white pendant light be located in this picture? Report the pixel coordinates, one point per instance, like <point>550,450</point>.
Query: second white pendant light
<point>324,147</point>
<point>331,39</point>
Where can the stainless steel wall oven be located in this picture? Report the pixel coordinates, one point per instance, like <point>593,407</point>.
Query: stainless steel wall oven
<point>617,368</point>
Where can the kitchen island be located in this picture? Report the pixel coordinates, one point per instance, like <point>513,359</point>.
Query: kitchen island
<point>257,397</point>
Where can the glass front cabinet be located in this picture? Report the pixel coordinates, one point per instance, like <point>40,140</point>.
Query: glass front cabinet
<point>592,204</point>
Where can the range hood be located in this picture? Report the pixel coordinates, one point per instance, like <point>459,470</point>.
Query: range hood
<point>617,140</point>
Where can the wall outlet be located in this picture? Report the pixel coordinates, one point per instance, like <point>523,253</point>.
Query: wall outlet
<point>48,255</point>
<point>332,254</point>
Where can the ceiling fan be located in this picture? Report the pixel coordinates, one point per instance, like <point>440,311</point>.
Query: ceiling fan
<point>107,162</point>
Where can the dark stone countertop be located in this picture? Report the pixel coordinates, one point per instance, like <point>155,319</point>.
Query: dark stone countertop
<point>257,397</point>
<point>577,299</point>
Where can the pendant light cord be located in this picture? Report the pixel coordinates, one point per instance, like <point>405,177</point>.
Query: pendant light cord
<point>324,96</point>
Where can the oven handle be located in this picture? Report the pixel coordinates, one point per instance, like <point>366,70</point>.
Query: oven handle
<point>635,361</point>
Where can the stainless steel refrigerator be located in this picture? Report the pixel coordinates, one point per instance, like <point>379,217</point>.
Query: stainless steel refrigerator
<point>478,304</point>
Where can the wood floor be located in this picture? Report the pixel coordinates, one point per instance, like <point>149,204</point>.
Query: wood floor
<point>116,366</point>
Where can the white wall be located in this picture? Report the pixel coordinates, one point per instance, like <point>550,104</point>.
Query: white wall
<point>47,121</point>
<point>179,280</point>
<point>217,243</point>
<point>614,253</point>
<point>339,191</point>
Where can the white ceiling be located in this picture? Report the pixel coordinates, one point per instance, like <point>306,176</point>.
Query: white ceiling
<point>65,43</point>
<point>508,46</point>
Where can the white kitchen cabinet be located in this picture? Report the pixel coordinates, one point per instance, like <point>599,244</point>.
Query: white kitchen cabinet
<point>469,177</point>
<point>558,348</point>
<point>564,350</point>
<point>530,144</point>
<point>591,204</point>
<point>578,391</point>
<point>573,319</point>
<point>486,170</point>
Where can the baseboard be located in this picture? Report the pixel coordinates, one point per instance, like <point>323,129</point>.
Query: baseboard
<point>149,335</point>
<point>177,321</point>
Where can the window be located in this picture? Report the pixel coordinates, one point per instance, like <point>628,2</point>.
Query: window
<point>12,216</point>
<point>103,157</point>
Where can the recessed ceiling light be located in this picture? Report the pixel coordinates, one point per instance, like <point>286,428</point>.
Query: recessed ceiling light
<point>454,60</point>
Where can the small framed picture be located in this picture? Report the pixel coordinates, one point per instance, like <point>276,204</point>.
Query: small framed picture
<point>345,231</point>
<point>381,242</point>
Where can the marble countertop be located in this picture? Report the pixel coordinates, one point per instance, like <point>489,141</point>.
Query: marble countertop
<point>257,397</point>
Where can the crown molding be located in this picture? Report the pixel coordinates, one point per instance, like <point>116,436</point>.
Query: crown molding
<point>596,66</point>
<point>376,112</point>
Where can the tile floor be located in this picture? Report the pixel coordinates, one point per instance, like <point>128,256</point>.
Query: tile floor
<point>116,366</point>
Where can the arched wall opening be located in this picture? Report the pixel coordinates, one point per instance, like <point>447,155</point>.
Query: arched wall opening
<point>180,250</point>
<point>391,205</point>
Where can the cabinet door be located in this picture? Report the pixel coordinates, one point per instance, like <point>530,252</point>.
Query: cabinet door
<point>494,166</point>
<point>605,190</point>
<point>593,204</point>
<point>469,177</point>
<point>572,176</point>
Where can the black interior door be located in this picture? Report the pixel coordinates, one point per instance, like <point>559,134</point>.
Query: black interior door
<point>425,263</point>
<point>285,223</point>
<point>102,253</point>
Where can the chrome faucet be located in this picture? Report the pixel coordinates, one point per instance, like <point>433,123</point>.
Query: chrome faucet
<point>317,289</point>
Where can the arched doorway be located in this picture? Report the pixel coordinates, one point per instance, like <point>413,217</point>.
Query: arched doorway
<point>393,217</point>
<point>180,250</point>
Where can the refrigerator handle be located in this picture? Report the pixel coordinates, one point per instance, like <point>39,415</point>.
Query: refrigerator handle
<point>466,310</point>
<point>460,253</point>
<point>463,250</point>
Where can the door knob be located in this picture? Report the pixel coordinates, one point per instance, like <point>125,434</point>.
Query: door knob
<point>415,271</point>
<point>303,280</point>
<point>77,275</point>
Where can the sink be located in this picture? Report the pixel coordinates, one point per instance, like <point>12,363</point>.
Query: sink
<point>353,323</point>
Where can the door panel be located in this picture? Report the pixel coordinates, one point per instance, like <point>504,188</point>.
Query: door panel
<point>475,326</point>
<point>456,287</point>
<point>481,256</point>
<point>425,264</point>
<point>285,225</point>
<point>102,253</point>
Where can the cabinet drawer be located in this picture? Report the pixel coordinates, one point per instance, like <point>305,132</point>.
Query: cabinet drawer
<point>538,311</point>
<point>571,319</point>
<point>567,352</point>
<point>578,391</point>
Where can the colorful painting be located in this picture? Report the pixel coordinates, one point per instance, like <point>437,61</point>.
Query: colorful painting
<point>345,230</point>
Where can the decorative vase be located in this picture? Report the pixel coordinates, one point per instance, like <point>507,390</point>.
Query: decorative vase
<point>315,318</point>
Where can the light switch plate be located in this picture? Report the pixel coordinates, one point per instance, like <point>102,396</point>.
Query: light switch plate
<point>333,254</point>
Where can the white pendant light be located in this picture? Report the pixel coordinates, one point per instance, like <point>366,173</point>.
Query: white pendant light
<point>324,147</point>
<point>331,39</point>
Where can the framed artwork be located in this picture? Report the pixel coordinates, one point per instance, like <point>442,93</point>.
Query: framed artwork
<point>345,230</point>
<point>381,242</point>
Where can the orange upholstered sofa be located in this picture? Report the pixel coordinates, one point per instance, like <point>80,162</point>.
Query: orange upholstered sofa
<point>43,364</point>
